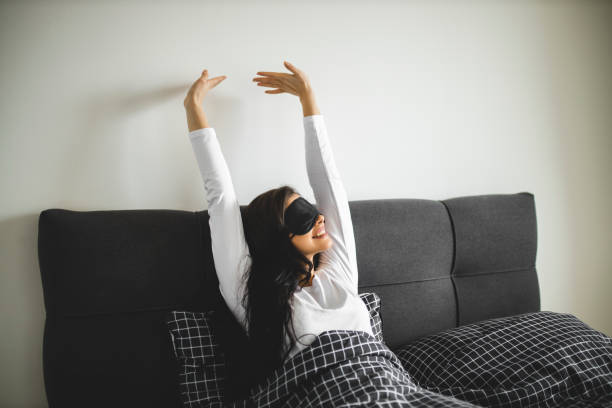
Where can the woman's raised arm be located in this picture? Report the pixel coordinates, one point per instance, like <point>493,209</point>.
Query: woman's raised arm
<point>229,247</point>
<point>331,200</point>
<point>323,175</point>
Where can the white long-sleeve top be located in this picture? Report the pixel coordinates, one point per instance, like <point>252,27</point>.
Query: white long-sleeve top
<point>332,301</point>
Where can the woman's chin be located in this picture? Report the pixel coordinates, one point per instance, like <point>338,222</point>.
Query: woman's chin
<point>324,244</point>
<point>328,243</point>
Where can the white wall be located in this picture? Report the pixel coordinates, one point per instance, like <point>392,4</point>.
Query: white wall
<point>431,99</point>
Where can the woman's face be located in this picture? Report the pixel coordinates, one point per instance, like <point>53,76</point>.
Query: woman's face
<point>307,244</point>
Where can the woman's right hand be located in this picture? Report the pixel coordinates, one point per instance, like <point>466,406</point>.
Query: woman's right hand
<point>200,88</point>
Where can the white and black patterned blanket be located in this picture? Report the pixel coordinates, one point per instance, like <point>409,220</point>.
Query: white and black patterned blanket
<point>343,368</point>
<point>538,359</point>
<point>541,359</point>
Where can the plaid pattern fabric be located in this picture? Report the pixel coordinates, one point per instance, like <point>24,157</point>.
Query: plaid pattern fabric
<point>541,359</point>
<point>372,302</point>
<point>202,364</point>
<point>344,368</point>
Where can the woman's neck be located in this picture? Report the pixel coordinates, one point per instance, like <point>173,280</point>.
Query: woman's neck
<point>309,283</point>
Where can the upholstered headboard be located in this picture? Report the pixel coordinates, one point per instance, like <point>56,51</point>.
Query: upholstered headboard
<point>110,277</point>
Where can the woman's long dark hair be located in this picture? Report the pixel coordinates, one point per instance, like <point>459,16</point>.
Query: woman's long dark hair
<point>274,275</point>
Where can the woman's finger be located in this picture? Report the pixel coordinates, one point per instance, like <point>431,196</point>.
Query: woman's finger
<point>270,82</point>
<point>274,74</point>
<point>267,80</point>
<point>215,81</point>
<point>293,69</point>
<point>269,85</point>
<point>274,91</point>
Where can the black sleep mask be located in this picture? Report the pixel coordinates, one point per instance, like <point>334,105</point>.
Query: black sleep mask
<point>301,216</point>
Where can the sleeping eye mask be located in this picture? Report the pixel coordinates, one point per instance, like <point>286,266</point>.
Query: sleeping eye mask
<point>301,216</point>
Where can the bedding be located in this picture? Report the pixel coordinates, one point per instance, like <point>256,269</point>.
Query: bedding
<point>538,359</point>
<point>206,371</point>
<point>344,368</point>
<point>340,368</point>
<point>541,359</point>
<point>201,365</point>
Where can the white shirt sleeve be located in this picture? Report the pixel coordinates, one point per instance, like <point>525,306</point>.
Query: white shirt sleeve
<point>229,247</point>
<point>331,200</point>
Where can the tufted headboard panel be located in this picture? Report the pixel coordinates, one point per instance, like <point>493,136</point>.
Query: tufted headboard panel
<point>441,264</point>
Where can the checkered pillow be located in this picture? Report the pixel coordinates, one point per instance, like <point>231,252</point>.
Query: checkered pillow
<point>372,302</point>
<point>202,363</point>
<point>526,360</point>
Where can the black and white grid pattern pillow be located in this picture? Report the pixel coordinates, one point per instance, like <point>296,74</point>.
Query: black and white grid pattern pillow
<point>372,302</point>
<point>201,361</point>
<point>202,364</point>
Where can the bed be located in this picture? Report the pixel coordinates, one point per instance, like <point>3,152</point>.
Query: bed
<point>451,283</point>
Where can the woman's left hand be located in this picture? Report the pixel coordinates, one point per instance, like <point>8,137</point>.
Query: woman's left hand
<point>200,88</point>
<point>296,83</point>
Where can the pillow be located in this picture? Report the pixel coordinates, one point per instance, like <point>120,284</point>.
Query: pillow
<point>201,361</point>
<point>208,372</point>
<point>531,359</point>
<point>372,302</point>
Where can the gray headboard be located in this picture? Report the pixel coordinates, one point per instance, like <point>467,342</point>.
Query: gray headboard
<point>110,277</point>
<point>442,264</point>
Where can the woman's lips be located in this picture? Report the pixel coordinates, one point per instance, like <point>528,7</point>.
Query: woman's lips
<point>321,236</point>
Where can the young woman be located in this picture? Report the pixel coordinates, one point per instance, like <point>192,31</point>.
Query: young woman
<point>290,272</point>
